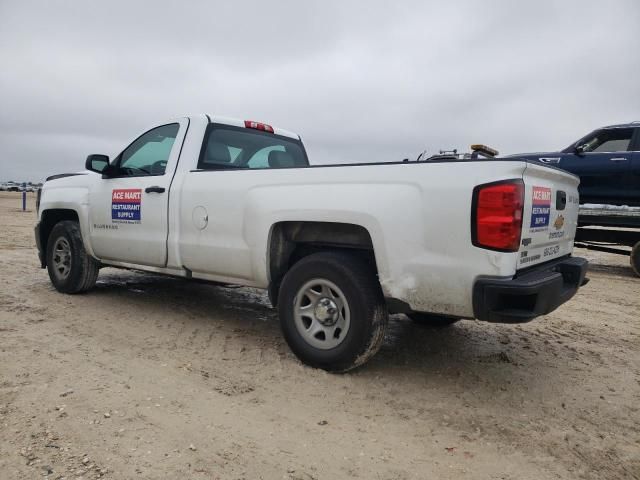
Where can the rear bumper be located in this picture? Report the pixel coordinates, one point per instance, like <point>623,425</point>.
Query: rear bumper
<point>538,291</point>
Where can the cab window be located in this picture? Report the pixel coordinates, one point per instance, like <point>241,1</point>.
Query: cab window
<point>228,147</point>
<point>609,140</point>
<point>260,159</point>
<point>149,153</point>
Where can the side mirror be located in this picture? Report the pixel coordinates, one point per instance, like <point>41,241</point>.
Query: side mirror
<point>97,163</point>
<point>579,149</point>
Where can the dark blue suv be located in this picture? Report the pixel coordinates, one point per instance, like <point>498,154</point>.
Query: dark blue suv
<point>607,161</point>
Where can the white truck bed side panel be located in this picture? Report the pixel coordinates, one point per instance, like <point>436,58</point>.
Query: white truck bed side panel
<point>420,227</point>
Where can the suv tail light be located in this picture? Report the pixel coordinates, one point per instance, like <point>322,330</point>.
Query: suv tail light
<point>496,222</point>
<point>258,126</point>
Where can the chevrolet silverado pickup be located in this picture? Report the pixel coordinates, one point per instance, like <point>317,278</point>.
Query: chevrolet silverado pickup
<point>337,247</point>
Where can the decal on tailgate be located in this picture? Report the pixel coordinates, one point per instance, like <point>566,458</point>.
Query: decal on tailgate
<point>126,205</point>
<point>558,224</point>
<point>541,208</point>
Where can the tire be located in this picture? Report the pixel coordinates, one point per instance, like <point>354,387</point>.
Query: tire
<point>70,268</point>
<point>432,320</point>
<point>634,259</point>
<point>344,316</point>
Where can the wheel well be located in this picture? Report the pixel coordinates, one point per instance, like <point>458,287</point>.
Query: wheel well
<point>48,221</point>
<point>292,241</point>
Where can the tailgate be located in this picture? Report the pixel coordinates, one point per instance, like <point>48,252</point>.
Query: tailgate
<point>550,215</point>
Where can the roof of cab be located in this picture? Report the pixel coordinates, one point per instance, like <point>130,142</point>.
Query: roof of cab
<point>236,122</point>
<point>635,124</point>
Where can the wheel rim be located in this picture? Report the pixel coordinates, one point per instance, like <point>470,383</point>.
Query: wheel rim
<point>61,258</point>
<point>321,314</point>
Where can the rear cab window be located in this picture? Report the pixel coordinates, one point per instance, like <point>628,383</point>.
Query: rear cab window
<point>230,147</point>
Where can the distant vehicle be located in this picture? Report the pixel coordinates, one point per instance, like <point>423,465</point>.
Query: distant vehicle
<point>12,187</point>
<point>19,187</point>
<point>607,161</point>
<point>337,247</point>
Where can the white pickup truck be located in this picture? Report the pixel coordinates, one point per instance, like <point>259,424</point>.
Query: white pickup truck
<point>338,247</point>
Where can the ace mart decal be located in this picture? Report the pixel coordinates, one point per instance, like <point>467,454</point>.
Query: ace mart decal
<point>126,205</point>
<point>541,208</point>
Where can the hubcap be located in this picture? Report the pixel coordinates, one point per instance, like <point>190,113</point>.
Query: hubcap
<point>321,314</point>
<point>62,258</point>
<point>326,311</point>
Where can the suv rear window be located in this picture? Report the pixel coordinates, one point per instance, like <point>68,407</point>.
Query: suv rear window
<point>236,147</point>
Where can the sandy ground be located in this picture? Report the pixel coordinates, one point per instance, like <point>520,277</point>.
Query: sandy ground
<point>150,377</point>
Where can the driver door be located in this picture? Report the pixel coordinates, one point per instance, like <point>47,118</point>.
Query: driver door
<point>128,210</point>
<point>603,166</point>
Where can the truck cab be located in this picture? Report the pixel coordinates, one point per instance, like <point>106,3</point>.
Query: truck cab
<point>132,232</point>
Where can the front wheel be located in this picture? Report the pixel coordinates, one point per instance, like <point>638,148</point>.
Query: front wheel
<point>332,311</point>
<point>70,268</point>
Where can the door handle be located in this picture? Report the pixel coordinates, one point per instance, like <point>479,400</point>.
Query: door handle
<point>154,189</point>
<point>618,159</point>
<point>550,159</point>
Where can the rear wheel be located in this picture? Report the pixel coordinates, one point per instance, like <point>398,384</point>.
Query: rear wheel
<point>432,320</point>
<point>332,311</point>
<point>70,268</point>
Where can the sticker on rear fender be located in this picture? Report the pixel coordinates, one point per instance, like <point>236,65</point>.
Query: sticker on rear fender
<point>536,255</point>
<point>540,209</point>
<point>525,258</point>
<point>551,251</point>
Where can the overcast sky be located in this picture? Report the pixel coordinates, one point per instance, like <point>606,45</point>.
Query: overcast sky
<point>360,81</point>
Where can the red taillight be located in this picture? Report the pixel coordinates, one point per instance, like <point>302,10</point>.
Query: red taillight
<point>258,126</point>
<point>497,215</point>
